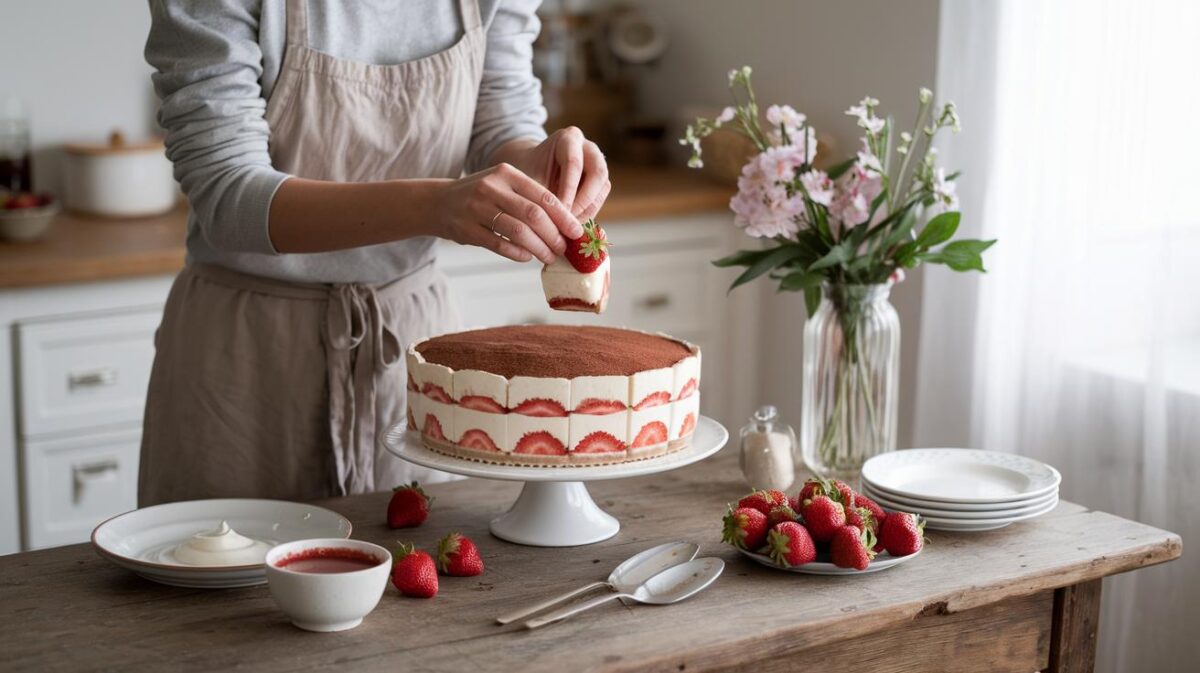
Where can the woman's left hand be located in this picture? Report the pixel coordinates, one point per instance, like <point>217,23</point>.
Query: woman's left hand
<point>569,165</point>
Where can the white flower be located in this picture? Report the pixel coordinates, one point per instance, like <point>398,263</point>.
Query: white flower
<point>867,159</point>
<point>819,187</point>
<point>906,137</point>
<point>897,276</point>
<point>945,193</point>
<point>925,95</point>
<point>725,117</point>
<point>784,115</point>
<point>865,113</point>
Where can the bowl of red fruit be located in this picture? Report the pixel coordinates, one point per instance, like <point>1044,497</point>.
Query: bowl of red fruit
<point>826,529</point>
<point>25,216</point>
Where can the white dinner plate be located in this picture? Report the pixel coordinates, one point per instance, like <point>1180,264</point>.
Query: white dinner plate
<point>140,540</point>
<point>951,523</point>
<point>903,502</point>
<point>822,566</point>
<point>947,511</point>
<point>960,475</point>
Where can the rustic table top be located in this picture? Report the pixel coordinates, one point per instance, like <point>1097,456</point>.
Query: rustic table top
<point>79,249</point>
<point>67,609</point>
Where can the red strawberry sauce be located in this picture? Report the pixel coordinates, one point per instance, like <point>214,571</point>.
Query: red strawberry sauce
<point>327,560</point>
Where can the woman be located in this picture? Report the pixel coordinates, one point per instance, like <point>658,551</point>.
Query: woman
<point>321,146</point>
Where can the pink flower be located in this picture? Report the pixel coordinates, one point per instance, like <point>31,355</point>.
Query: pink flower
<point>819,187</point>
<point>853,195</point>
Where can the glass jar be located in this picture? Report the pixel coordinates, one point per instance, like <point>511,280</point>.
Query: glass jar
<point>768,451</point>
<point>850,380</point>
<point>15,165</point>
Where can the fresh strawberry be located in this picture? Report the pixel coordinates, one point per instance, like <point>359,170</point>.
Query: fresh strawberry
<point>651,434</point>
<point>540,408</point>
<point>413,573</point>
<point>597,407</point>
<point>687,389</point>
<point>587,252</point>
<point>689,424</point>
<point>477,439</point>
<point>836,489</point>
<point>481,403</point>
<point>599,442</point>
<point>822,516</point>
<point>23,200</point>
<point>540,443</point>
<point>409,506</point>
<point>878,548</point>
<point>436,393</point>
<point>745,527</point>
<point>851,548</point>
<point>653,400</point>
<point>861,518</point>
<point>433,427</point>
<point>780,514</point>
<point>458,556</point>
<point>791,545</point>
<point>778,497</point>
<point>902,534</point>
<point>760,500</point>
<point>861,500</point>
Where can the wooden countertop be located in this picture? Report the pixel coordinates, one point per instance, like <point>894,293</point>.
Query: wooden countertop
<point>80,249</point>
<point>1022,598</point>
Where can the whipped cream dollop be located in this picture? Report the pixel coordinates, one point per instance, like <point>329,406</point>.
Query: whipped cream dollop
<point>221,546</point>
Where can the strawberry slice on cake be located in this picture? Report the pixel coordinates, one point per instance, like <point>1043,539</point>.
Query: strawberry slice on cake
<point>579,280</point>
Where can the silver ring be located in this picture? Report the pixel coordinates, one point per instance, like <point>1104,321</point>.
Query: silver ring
<point>493,227</point>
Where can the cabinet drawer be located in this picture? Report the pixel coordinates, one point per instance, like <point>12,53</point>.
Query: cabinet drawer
<point>84,372</point>
<point>73,484</point>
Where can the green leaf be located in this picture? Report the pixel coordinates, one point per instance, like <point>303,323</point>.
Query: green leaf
<point>901,231</point>
<point>837,170</point>
<point>773,259</point>
<point>906,255</point>
<point>838,254</point>
<point>812,299</point>
<point>960,255</point>
<point>801,280</point>
<point>938,230</point>
<point>741,258</point>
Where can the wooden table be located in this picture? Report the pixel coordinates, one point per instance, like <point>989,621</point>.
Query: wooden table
<point>1021,599</point>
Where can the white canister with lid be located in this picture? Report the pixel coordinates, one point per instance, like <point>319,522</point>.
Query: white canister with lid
<point>120,178</point>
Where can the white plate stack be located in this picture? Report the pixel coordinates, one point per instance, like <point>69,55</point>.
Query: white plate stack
<point>962,489</point>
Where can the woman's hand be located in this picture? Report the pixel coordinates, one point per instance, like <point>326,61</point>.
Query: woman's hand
<point>567,163</point>
<point>508,212</point>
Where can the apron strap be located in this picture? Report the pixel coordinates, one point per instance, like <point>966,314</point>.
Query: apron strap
<point>297,23</point>
<point>360,345</point>
<point>469,11</point>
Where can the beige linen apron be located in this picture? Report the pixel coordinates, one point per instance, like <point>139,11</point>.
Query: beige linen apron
<point>274,389</point>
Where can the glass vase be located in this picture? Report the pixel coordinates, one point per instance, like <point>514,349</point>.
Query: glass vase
<point>850,380</point>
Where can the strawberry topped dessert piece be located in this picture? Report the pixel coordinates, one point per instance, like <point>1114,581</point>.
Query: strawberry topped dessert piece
<point>579,279</point>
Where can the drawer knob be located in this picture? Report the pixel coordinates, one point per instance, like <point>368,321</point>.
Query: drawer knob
<point>94,378</point>
<point>91,472</point>
<point>655,301</point>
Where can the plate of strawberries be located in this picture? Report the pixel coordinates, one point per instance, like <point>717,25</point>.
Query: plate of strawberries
<point>827,529</point>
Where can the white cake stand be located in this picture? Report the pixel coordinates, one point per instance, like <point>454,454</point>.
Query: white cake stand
<point>555,508</point>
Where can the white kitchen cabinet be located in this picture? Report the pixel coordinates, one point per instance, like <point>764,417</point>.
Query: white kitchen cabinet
<point>75,360</point>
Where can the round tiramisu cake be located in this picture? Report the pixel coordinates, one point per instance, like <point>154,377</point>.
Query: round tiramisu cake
<point>554,394</point>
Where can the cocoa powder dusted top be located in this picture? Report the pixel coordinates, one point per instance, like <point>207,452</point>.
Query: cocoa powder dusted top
<point>557,351</point>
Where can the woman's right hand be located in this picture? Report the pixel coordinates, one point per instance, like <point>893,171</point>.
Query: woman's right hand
<point>506,211</point>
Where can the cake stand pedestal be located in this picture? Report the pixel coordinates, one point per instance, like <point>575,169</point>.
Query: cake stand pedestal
<point>555,508</point>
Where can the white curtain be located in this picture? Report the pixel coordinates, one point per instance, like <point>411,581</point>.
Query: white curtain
<point>1081,346</point>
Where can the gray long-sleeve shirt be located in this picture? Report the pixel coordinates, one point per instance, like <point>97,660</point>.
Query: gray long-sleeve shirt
<point>217,62</point>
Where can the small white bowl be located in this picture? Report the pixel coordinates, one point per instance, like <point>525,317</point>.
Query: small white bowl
<point>327,601</point>
<point>27,224</point>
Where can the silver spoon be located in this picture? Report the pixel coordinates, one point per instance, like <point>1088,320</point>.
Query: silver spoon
<point>626,577</point>
<point>669,586</point>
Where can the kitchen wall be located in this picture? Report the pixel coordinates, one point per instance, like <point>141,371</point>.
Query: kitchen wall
<point>78,66</point>
<point>820,57</point>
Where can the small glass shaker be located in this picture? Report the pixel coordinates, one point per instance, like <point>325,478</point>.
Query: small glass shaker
<point>768,451</point>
